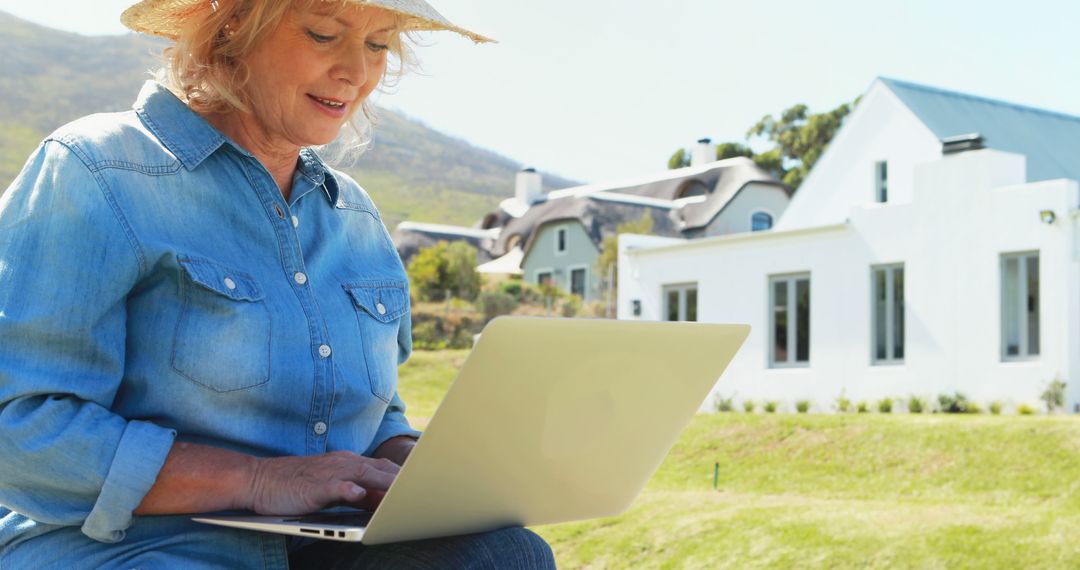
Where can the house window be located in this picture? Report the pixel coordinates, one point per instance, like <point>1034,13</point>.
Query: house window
<point>577,281</point>
<point>1019,305</point>
<point>560,240</point>
<point>881,181</point>
<point>789,326</point>
<point>680,302</point>
<point>544,278</point>
<point>760,221</point>
<point>888,309</point>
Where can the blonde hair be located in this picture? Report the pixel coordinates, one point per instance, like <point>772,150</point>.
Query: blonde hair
<point>205,67</point>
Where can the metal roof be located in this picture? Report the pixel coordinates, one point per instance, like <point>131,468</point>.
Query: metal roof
<point>1049,140</point>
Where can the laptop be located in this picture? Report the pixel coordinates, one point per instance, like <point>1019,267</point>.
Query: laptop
<point>548,421</point>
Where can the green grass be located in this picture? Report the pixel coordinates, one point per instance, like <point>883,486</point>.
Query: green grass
<point>833,491</point>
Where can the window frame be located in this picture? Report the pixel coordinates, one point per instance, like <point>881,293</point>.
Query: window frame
<point>890,358</point>
<point>1025,354</point>
<point>881,182</point>
<point>548,270</point>
<point>792,280</point>
<point>570,279</point>
<point>562,236</point>
<point>682,289</point>
<point>772,220</point>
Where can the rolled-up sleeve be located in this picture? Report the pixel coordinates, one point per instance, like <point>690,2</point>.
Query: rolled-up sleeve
<point>67,264</point>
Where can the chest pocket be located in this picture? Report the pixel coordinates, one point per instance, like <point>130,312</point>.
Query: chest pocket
<point>379,308</point>
<point>222,339</point>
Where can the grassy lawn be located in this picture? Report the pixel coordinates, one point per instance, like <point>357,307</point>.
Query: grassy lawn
<point>832,491</point>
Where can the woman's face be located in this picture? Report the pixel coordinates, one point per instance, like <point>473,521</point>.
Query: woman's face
<point>314,71</point>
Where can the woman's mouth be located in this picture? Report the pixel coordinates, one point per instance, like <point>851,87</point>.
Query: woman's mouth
<point>332,105</point>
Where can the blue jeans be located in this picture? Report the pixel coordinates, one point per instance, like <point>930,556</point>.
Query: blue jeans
<point>176,542</point>
<point>508,549</point>
<point>514,548</point>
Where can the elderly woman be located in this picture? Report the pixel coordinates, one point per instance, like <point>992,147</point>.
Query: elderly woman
<point>197,314</point>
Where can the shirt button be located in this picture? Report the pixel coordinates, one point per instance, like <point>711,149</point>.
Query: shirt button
<point>300,278</point>
<point>381,308</point>
<point>324,351</point>
<point>230,284</point>
<point>320,428</point>
<point>295,222</point>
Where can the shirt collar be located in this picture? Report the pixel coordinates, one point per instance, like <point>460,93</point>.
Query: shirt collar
<point>191,139</point>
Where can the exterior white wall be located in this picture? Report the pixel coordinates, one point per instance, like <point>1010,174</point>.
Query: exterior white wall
<point>880,128</point>
<point>966,210</point>
<point>735,217</point>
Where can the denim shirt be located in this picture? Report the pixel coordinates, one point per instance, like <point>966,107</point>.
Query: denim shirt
<point>155,287</point>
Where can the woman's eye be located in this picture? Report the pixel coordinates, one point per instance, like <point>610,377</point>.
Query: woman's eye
<point>319,38</point>
<point>377,47</point>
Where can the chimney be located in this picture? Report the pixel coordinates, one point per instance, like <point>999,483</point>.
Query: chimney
<point>529,187</point>
<point>703,152</point>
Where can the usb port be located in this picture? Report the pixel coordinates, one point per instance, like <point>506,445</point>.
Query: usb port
<point>328,533</point>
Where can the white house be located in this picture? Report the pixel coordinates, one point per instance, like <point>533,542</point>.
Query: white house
<point>933,249</point>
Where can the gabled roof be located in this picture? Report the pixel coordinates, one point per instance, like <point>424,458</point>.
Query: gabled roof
<point>1049,140</point>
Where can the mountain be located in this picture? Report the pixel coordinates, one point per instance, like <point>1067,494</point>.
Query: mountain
<point>49,77</point>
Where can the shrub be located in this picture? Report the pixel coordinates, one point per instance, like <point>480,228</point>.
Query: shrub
<point>884,405</point>
<point>771,406</point>
<point>748,406</point>
<point>723,404</point>
<point>862,407</point>
<point>802,406</point>
<point>445,268</point>
<point>843,405</point>
<point>495,304</point>
<point>511,287</point>
<point>427,336</point>
<point>995,408</point>
<point>570,306</point>
<point>916,405</point>
<point>1054,395</point>
<point>1025,410</point>
<point>956,404</point>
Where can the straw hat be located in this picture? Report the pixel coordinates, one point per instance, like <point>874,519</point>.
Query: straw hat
<point>163,17</point>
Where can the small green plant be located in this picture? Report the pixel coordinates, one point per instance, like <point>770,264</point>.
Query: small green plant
<point>771,406</point>
<point>843,405</point>
<point>1025,410</point>
<point>916,405</point>
<point>802,406</point>
<point>884,405</point>
<point>748,406</point>
<point>1054,395</point>
<point>956,404</point>
<point>723,404</point>
<point>995,408</point>
<point>862,407</point>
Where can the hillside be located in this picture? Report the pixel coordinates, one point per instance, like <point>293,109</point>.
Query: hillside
<point>49,77</point>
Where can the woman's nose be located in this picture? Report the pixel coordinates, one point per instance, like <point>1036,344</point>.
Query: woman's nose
<point>352,68</point>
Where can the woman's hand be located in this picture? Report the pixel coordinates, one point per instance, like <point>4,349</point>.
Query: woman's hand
<point>301,485</point>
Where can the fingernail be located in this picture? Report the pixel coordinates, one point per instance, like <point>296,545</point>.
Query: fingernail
<point>358,490</point>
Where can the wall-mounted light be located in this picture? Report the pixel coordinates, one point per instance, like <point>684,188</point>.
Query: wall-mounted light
<point>1047,216</point>
<point>635,305</point>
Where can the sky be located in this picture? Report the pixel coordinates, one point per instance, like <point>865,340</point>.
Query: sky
<point>598,90</point>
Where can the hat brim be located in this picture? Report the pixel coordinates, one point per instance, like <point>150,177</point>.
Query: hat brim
<point>164,17</point>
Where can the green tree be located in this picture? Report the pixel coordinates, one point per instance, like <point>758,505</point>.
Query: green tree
<point>798,139</point>
<point>732,149</point>
<point>445,269</point>
<point>609,252</point>
<point>679,159</point>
